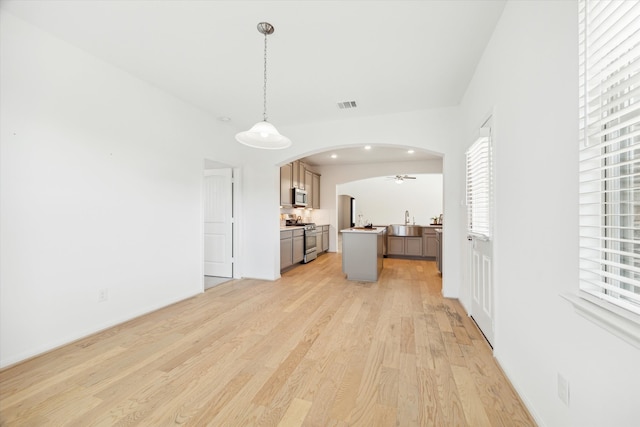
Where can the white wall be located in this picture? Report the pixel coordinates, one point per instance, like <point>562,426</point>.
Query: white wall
<point>381,201</point>
<point>97,192</point>
<point>528,78</point>
<point>101,180</point>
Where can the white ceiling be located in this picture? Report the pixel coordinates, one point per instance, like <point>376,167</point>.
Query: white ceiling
<point>376,154</point>
<point>389,56</point>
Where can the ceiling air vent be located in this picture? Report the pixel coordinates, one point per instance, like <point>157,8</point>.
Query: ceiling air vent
<point>347,104</point>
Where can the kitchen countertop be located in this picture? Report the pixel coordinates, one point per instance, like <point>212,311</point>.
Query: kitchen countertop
<point>297,227</point>
<point>373,230</point>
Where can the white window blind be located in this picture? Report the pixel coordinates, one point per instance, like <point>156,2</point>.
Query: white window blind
<point>479,188</point>
<point>610,151</point>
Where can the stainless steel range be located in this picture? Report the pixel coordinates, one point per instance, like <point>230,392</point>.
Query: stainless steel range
<point>310,243</point>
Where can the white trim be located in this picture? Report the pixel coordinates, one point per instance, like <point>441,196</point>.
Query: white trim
<point>603,315</point>
<point>521,391</point>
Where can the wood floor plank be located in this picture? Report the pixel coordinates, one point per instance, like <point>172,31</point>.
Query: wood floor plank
<point>408,392</point>
<point>407,336</point>
<point>310,349</point>
<point>296,413</point>
<point>429,406</point>
<point>322,392</point>
<point>471,402</point>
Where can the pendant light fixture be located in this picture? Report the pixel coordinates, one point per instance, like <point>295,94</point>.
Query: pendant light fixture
<point>263,134</point>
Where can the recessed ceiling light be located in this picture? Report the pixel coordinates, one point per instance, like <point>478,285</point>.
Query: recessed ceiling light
<point>410,151</point>
<point>367,147</point>
<point>334,156</point>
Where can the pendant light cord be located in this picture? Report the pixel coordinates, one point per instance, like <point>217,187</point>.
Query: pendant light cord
<point>264,114</point>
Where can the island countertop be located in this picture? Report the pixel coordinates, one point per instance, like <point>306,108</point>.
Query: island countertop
<point>372,230</point>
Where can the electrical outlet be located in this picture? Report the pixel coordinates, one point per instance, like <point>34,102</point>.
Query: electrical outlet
<point>563,389</point>
<point>103,295</point>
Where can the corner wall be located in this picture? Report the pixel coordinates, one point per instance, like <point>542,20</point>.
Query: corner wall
<point>101,178</point>
<point>528,78</point>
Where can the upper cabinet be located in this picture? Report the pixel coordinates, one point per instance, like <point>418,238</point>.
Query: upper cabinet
<point>286,184</point>
<point>298,170</point>
<point>315,194</point>
<point>298,175</point>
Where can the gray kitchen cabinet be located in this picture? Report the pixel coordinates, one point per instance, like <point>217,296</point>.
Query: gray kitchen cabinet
<point>319,240</point>
<point>409,246</point>
<point>299,175</point>
<point>395,245</point>
<point>322,238</point>
<point>439,250</point>
<point>413,246</point>
<point>312,187</point>
<point>286,249</point>
<point>298,246</point>
<point>430,245</point>
<point>286,184</point>
<point>308,183</point>
<point>325,237</point>
<point>315,190</point>
<point>291,247</point>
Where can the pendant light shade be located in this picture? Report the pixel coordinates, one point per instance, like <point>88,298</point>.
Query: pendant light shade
<point>263,134</point>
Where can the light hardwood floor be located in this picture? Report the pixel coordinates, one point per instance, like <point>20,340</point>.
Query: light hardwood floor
<point>310,349</point>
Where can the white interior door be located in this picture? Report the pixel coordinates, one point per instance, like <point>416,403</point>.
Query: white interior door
<point>482,285</point>
<point>218,223</point>
<point>479,227</point>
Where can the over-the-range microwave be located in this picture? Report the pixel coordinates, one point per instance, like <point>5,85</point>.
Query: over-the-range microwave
<point>299,197</point>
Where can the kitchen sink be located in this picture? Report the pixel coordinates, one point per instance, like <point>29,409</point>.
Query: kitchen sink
<point>404,230</point>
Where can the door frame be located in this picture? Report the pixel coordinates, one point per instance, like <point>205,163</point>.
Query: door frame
<point>236,234</point>
<point>487,128</point>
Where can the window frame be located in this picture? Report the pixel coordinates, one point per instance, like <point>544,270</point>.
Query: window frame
<point>607,95</point>
<point>479,169</point>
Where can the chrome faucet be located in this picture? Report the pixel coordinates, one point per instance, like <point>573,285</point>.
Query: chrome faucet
<point>406,217</point>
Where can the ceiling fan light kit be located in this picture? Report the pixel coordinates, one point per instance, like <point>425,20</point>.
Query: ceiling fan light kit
<point>263,134</point>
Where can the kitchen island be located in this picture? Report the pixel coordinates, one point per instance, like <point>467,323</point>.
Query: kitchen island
<point>362,253</point>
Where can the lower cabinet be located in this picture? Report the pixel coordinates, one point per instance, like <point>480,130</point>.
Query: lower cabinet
<point>398,245</point>
<point>286,249</point>
<point>439,250</point>
<point>298,246</point>
<point>430,245</point>
<point>413,246</point>
<point>319,240</point>
<point>395,245</point>
<point>322,238</point>
<point>291,247</point>
<point>325,237</point>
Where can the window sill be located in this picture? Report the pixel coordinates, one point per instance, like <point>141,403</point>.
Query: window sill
<point>621,326</point>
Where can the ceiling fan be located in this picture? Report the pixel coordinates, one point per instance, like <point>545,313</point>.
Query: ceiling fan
<point>399,179</point>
